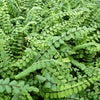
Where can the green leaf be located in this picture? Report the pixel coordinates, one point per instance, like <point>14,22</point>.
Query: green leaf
<point>27,60</point>
<point>53,87</point>
<point>22,89</point>
<point>75,90</point>
<point>67,37</point>
<point>47,95</point>
<point>61,41</point>
<point>1,81</point>
<point>70,91</point>
<point>40,78</point>
<point>62,94</point>
<point>28,96</point>
<point>47,85</point>
<point>24,63</point>
<point>8,89</point>
<point>22,98</point>
<point>2,88</point>
<point>6,81</point>
<point>13,83</point>
<point>66,60</point>
<point>32,88</point>
<point>57,44</point>
<point>79,88</point>
<point>15,97</point>
<point>47,76</point>
<point>59,95</point>
<point>16,90</point>
<point>84,86</point>
<point>49,43</point>
<point>38,65</point>
<point>21,83</point>
<point>52,48</point>
<point>51,95</point>
<point>62,87</point>
<point>43,65</point>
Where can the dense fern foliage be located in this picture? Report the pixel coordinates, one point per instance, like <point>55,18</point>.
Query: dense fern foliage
<point>49,49</point>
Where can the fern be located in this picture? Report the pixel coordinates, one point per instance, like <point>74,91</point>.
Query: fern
<point>5,18</point>
<point>49,49</point>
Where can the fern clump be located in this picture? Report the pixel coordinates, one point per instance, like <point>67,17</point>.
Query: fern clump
<point>49,50</point>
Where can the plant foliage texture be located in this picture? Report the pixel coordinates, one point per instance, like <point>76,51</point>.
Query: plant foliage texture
<point>49,49</point>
